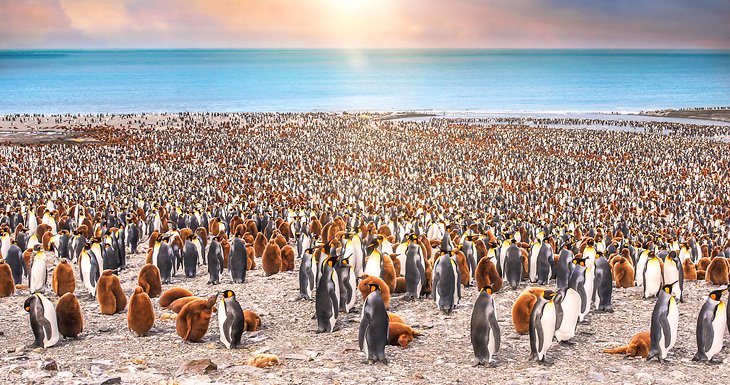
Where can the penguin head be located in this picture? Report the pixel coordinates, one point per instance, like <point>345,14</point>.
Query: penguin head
<point>549,295</point>
<point>716,295</point>
<point>228,294</point>
<point>668,288</point>
<point>579,261</point>
<point>37,247</point>
<point>413,237</point>
<point>373,287</point>
<point>27,303</point>
<point>486,289</point>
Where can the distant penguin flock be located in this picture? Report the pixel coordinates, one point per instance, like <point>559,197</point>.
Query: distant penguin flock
<point>454,207</point>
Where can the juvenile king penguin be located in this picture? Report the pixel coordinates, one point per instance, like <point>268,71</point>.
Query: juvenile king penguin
<point>327,300</point>
<point>38,271</point>
<point>230,320</point>
<point>141,314</point>
<point>652,275</point>
<point>664,324</point>
<point>69,315</point>
<point>63,280</point>
<point>542,326</point>
<point>415,268</point>
<point>603,284</point>
<point>42,320</point>
<point>711,324</point>
<point>485,334</point>
<point>374,325</point>
<point>7,285</point>
<point>307,274</point>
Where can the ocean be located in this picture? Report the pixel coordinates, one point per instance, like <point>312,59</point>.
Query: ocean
<point>497,81</point>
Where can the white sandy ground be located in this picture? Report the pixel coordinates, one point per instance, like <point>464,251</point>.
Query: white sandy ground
<point>106,349</point>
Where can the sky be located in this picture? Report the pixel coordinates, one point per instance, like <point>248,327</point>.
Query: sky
<point>668,24</point>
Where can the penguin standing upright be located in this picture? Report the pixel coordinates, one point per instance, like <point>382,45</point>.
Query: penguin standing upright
<point>327,300</point>
<point>163,260</point>
<point>374,327</point>
<point>674,272</point>
<point>545,262</point>
<point>542,325</point>
<point>89,270</point>
<point>348,284</point>
<point>38,271</point>
<point>17,263</point>
<point>652,275</point>
<point>190,257</point>
<point>581,280</point>
<point>215,261</point>
<point>446,282</point>
<point>230,320</point>
<point>567,312</point>
<point>711,324</point>
<point>564,266</point>
<point>415,268</point>
<point>238,260</point>
<point>513,267</point>
<point>485,333</point>
<point>603,284</point>
<point>664,324</point>
<point>43,320</point>
<point>307,274</point>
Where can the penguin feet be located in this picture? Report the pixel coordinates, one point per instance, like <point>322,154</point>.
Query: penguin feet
<point>493,364</point>
<point>545,362</point>
<point>566,343</point>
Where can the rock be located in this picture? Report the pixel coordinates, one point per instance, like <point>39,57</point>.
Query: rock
<point>111,381</point>
<point>36,376</point>
<point>596,377</point>
<point>644,378</point>
<point>203,366</point>
<point>49,365</point>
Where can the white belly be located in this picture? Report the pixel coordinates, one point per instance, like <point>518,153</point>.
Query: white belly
<point>588,286</point>
<point>49,312</point>
<point>673,318</point>
<point>718,326</point>
<point>38,276</point>
<point>221,321</point>
<point>670,273</point>
<point>373,267</point>
<point>653,280</point>
<point>548,329</point>
<point>533,263</point>
<point>571,311</point>
<point>640,270</point>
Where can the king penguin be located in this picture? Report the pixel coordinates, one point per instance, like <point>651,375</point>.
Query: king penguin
<point>43,320</point>
<point>415,268</point>
<point>230,320</point>
<point>374,327</point>
<point>542,326</point>
<point>664,324</point>
<point>307,274</point>
<point>327,300</point>
<point>711,326</point>
<point>485,333</point>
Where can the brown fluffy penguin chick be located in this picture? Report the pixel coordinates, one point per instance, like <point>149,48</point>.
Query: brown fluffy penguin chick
<point>700,275</point>
<point>400,285</point>
<point>487,274</point>
<point>251,321</point>
<point>287,258</point>
<point>63,280</point>
<point>623,273</point>
<point>69,316</point>
<point>717,272</point>
<point>396,265</point>
<point>172,294</point>
<point>141,314</point>
<point>522,309</point>
<point>464,275</point>
<point>194,318</point>
<point>148,260</point>
<point>226,247</point>
<point>639,345</point>
<point>109,294</point>
<point>259,244</point>
<point>689,270</point>
<point>364,287</point>
<point>428,284</point>
<point>400,334</point>
<point>153,238</point>
<point>180,303</point>
<point>703,263</point>
<point>7,283</point>
<point>271,259</point>
<point>388,273</point>
<point>251,257</point>
<point>392,317</point>
<point>149,279</point>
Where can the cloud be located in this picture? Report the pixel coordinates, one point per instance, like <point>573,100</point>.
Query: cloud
<point>365,23</point>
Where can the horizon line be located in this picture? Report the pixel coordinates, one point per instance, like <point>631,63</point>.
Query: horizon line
<point>364,49</point>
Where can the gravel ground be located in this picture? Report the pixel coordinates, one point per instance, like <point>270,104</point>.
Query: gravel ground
<point>107,351</point>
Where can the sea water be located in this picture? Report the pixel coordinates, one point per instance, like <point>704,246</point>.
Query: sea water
<point>506,81</point>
